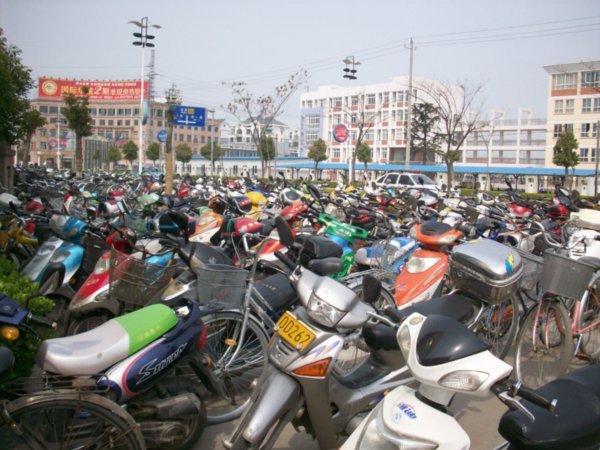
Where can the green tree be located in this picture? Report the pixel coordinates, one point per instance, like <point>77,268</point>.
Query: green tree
<point>15,83</point>
<point>260,112</point>
<point>364,154</point>
<point>318,152</point>
<point>183,154</point>
<point>114,155</point>
<point>565,154</point>
<point>32,120</point>
<point>130,152</point>
<point>79,120</point>
<point>424,135</point>
<point>268,151</point>
<point>215,152</point>
<point>153,152</point>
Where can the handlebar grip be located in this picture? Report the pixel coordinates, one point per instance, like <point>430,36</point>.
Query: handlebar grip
<point>284,259</point>
<point>43,321</point>
<point>535,398</point>
<point>397,315</point>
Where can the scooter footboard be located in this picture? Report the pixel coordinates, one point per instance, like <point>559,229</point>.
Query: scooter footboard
<point>279,393</point>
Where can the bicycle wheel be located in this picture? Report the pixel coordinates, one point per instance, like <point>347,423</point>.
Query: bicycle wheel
<point>544,344</point>
<point>498,326</point>
<point>588,323</point>
<point>70,420</point>
<point>236,371</point>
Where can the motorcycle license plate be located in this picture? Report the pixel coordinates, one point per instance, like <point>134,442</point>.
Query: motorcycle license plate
<point>294,332</point>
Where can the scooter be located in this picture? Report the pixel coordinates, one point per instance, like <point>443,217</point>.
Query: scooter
<point>132,359</point>
<point>446,358</point>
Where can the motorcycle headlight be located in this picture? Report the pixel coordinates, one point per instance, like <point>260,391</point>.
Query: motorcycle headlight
<point>59,257</point>
<point>463,380</point>
<point>404,341</point>
<point>102,266</point>
<point>323,313</point>
<point>418,265</point>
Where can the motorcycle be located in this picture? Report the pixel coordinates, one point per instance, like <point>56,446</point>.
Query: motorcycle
<point>445,359</point>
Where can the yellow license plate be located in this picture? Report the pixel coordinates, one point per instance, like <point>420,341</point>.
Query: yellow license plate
<point>294,332</point>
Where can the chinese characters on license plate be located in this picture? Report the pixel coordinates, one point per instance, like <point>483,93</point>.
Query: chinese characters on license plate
<point>294,332</point>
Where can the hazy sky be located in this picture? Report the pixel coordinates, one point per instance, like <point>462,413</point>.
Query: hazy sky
<point>503,43</point>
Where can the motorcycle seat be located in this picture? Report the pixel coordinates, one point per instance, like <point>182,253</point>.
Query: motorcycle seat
<point>575,422</point>
<point>326,266</point>
<point>455,306</point>
<point>96,350</point>
<point>277,291</point>
<point>435,228</point>
<point>592,261</point>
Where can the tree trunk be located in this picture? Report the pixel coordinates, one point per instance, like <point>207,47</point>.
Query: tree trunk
<point>450,166</point>
<point>316,165</point>
<point>78,155</point>
<point>566,182</point>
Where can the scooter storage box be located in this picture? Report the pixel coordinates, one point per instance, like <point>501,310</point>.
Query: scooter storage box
<point>316,247</point>
<point>487,269</point>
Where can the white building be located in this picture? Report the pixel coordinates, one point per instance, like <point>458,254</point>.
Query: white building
<point>236,139</point>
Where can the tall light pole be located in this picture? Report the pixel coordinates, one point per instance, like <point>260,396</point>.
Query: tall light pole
<point>409,110</point>
<point>350,74</point>
<point>596,157</point>
<point>142,40</point>
<point>212,145</point>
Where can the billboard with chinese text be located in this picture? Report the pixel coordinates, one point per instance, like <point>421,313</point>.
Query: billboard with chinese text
<point>110,90</point>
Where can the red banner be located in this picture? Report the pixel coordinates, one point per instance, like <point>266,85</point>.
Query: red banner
<point>98,90</point>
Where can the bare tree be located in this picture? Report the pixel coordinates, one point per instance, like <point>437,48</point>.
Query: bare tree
<point>260,112</point>
<point>459,116</point>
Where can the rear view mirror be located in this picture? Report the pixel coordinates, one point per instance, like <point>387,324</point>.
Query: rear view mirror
<point>285,233</point>
<point>371,289</point>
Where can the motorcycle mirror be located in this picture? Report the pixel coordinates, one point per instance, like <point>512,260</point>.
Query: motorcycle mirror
<point>371,289</point>
<point>285,233</point>
<point>314,191</point>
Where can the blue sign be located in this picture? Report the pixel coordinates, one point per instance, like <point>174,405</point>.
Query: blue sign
<point>189,116</point>
<point>162,136</point>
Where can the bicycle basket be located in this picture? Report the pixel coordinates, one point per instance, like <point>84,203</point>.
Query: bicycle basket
<point>134,281</point>
<point>223,284</point>
<point>391,252</point>
<point>95,246</point>
<point>565,276</point>
<point>532,269</point>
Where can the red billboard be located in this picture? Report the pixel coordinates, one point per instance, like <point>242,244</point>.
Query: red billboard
<point>129,90</point>
<point>340,133</point>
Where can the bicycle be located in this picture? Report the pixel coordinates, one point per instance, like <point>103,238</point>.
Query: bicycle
<point>565,319</point>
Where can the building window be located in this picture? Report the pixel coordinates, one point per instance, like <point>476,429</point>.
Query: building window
<point>336,153</point>
<point>337,102</point>
<point>558,106</point>
<point>120,112</point>
<point>111,123</point>
<point>597,104</point>
<point>560,128</point>
<point>586,105</point>
<point>119,123</point>
<point>369,135</point>
<point>370,99</point>
<point>44,109</point>
<point>203,139</point>
<point>128,123</point>
<point>53,109</point>
<point>189,138</point>
<point>384,135</point>
<point>564,81</point>
<point>386,97</point>
<point>585,130</point>
<point>583,154</point>
<point>313,122</point>
<point>590,79</point>
<point>102,112</point>
<point>102,122</point>
<point>354,100</point>
<point>570,106</point>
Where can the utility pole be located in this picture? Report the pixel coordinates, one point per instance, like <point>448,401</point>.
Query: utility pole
<point>596,157</point>
<point>173,99</point>
<point>212,145</point>
<point>409,112</point>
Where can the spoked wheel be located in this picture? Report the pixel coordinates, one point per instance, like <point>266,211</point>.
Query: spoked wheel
<point>57,421</point>
<point>544,344</point>
<point>589,324</point>
<point>498,325</point>
<point>236,360</point>
<point>87,322</point>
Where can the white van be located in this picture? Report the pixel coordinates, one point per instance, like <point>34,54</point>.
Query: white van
<point>407,180</point>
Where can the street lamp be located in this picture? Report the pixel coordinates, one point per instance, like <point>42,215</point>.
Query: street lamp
<point>142,40</point>
<point>212,163</point>
<point>350,73</point>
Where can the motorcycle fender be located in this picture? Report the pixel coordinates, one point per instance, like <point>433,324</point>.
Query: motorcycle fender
<point>279,393</point>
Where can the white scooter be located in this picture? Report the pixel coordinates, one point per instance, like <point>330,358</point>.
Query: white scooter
<point>446,358</point>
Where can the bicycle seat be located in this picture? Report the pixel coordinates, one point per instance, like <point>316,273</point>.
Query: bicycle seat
<point>575,423</point>
<point>592,261</point>
<point>94,351</point>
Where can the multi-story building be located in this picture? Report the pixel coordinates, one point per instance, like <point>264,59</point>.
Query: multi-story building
<point>115,111</point>
<point>574,105</point>
<point>237,141</point>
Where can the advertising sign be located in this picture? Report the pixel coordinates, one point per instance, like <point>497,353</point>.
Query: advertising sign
<point>340,133</point>
<point>130,90</point>
<point>189,116</point>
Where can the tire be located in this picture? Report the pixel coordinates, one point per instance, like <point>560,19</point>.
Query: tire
<point>498,326</point>
<point>223,331</point>
<point>590,314</point>
<point>171,387</point>
<point>69,420</point>
<point>544,344</point>
<point>87,322</point>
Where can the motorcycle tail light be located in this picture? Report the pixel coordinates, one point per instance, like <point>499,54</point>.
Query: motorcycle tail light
<point>202,341</point>
<point>317,369</point>
<point>10,333</point>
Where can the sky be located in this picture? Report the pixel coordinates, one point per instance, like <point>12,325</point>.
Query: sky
<point>502,44</point>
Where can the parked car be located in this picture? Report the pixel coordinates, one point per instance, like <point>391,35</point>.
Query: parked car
<point>407,180</point>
